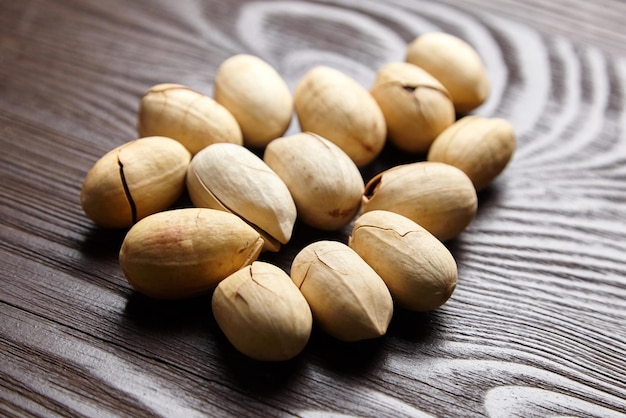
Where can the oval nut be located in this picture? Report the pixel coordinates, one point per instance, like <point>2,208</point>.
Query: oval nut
<point>134,180</point>
<point>262,313</point>
<point>437,196</point>
<point>182,253</point>
<point>348,298</point>
<point>418,269</point>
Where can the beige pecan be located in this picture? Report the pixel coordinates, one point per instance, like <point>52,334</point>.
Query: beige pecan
<point>186,252</point>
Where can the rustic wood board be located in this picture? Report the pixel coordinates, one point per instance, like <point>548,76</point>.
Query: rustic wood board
<point>536,326</point>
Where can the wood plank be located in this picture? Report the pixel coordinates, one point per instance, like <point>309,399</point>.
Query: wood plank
<point>535,327</point>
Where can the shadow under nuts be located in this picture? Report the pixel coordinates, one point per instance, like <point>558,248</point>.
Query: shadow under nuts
<point>262,313</point>
<point>325,183</point>
<point>348,298</point>
<point>437,196</point>
<point>134,180</point>
<point>335,106</point>
<point>416,106</point>
<point>256,95</point>
<point>229,177</point>
<point>418,269</point>
<point>480,147</point>
<point>191,118</point>
<point>186,252</point>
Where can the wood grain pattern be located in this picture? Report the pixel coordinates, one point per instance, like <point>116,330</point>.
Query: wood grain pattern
<point>535,327</point>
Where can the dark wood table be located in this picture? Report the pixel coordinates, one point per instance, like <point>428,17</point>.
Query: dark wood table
<point>536,326</point>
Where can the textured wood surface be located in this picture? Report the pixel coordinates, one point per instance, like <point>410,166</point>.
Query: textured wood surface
<point>536,326</point>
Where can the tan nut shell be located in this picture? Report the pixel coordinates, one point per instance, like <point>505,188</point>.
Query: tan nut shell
<point>437,196</point>
<point>325,183</point>
<point>480,147</point>
<point>186,252</point>
<point>134,180</point>
<point>262,313</point>
<point>418,269</point>
<point>256,95</point>
<point>456,64</point>
<point>335,106</point>
<point>229,177</point>
<point>193,119</point>
<point>348,298</point>
<point>416,106</point>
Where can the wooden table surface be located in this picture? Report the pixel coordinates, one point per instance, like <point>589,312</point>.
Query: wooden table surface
<point>536,326</point>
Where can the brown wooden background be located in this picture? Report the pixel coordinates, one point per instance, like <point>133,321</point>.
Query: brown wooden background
<point>536,326</point>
